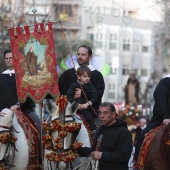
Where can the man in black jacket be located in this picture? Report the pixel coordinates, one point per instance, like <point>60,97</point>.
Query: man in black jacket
<point>84,55</point>
<point>113,141</point>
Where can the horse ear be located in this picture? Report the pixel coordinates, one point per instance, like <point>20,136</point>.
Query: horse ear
<point>74,106</point>
<point>49,105</point>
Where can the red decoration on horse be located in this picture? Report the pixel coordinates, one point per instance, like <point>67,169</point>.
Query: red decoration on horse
<point>62,103</point>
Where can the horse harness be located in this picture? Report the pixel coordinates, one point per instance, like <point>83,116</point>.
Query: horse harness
<point>67,118</point>
<point>4,160</point>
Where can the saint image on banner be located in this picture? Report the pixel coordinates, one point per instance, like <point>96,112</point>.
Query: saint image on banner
<point>36,72</point>
<point>31,60</point>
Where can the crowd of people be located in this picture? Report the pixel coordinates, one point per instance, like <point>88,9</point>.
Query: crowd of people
<point>84,84</point>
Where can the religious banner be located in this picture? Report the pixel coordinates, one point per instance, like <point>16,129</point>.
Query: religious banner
<point>34,62</point>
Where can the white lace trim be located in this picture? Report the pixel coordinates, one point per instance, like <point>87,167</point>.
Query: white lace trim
<point>10,72</point>
<point>89,66</point>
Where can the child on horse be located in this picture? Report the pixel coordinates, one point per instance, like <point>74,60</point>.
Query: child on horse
<point>88,97</point>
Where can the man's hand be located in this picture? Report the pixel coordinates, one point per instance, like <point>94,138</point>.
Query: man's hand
<point>14,107</point>
<point>84,106</point>
<point>77,93</point>
<point>79,107</point>
<point>96,155</point>
<point>166,121</point>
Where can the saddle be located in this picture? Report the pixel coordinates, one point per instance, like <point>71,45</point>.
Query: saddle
<point>145,145</point>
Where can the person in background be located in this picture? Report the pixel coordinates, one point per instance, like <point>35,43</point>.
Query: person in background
<point>84,55</point>
<point>83,74</point>
<point>113,141</point>
<point>138,129</point>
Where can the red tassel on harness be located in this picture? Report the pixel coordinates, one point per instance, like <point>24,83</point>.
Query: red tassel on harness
<point>62,103</point>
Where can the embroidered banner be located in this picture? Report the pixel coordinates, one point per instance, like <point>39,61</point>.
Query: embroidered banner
<point>35,62</point>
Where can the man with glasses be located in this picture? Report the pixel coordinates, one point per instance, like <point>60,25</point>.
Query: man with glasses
<point>8,91</point>
<point>113,141</point>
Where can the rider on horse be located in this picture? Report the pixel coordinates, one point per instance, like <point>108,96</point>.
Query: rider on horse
<point>161,110</point>
<point>8,91</point>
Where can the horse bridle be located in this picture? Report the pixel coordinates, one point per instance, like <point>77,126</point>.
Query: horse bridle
<point>6,156</point>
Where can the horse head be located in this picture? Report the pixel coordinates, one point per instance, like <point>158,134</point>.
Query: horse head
<point>6,117</point>
<point>63,133</point>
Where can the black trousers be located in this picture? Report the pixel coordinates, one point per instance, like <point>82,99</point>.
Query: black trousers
<point>89,118</point>
<point>154,122</point>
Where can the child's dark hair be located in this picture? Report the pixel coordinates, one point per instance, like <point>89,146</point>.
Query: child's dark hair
<point>82,69</point>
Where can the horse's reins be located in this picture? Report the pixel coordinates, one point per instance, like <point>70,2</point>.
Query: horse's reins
<point>89,158</point>
<point>71,56</point>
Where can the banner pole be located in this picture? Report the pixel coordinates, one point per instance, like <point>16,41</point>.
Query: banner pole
<point>34,11</point>
<point>41,145</point>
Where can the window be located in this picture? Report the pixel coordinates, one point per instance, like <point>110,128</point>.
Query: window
<point>144,72</point>
<point>99,44</point>
<point>145,49</point>
<point>113,37</point>
<point>112,46</point>
<point>63,11</point>
<point>126,47</point>
<point>91,37</point>
<point>99,36</point>
<point>125,71</point>
<point>113,70</point>
<point>111,95</point>
<point>136,47</point>
<point>111,87</point>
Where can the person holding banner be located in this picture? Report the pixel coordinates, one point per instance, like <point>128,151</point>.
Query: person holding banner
<point>8,92</point>
<point>84,55</point>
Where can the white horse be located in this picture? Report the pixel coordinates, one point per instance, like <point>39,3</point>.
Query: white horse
<point>83,137</point>
<point>5,126</point>
<point>21,155</point>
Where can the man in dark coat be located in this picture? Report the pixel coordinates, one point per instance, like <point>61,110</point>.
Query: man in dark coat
<point>84,54</point>
<point>161,110</point>
<point>112,143</point>
<point>8,91</point>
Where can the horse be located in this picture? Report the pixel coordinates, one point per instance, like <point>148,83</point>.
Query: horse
<point>82,136</point>
<point>155,150</point>
<point>18,150</point>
